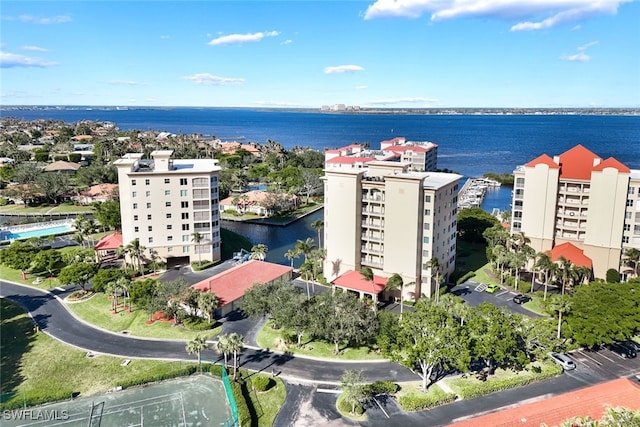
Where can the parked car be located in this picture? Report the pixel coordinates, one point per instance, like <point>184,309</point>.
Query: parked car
<point>632,344</point>
<point>492,287</point>
<point>622,351</point>
<point>521,299</point>
<point>563,360</point>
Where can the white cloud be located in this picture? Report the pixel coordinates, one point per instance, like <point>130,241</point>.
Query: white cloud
<point>165,37</point>
<point>538,14</point>
<point>211,80</point>
<point>14,60</point>
<point>288,41</point>
<point>587,45</point>
<point>407,100</point>
<point>28,19</point>
<point>126,83</point>
<point>343,69</point>
<point>242,38</point>
<point>360,87</point>
<point>34,49</point>
<point>578,57</point>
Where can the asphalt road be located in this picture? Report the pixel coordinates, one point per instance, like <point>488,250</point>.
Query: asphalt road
<point>500,298</point>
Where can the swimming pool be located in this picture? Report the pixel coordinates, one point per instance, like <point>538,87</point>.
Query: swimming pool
<point>40,232</point>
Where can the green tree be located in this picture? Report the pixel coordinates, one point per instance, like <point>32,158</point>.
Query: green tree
<point>295,314</point>
<point>631,258</point>
<point>259,251</point>
<point>395,282</point>
<point>134,251</point>
<point>197,238</point>
<point>222,347</point>
<point>305,247</point>
<point>18,255</point>
<point>104,276</point>
<point>291,254</point>
<point>236,345</point>
<point>77,274</point>
<point>559,304</point>
<point>108,214</point>
<point>354,390</point>
<point>53,185</point>
<point>472,222</point>
<point>545,265</point>
<point>431,338</point>
<point>47,260</point>
<point>318,225</point>
<point>196,346</point>
<point>208,302</point>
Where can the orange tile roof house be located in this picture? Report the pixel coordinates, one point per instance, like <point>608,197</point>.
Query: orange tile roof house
<point>62,166</point>
<point>98,193</point>
<point>254,201</point>
<point>230,286</point>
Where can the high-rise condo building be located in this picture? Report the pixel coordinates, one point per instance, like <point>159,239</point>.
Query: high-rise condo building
<point>170,205</point>
<point>589,205</point>
<point>392,220</point>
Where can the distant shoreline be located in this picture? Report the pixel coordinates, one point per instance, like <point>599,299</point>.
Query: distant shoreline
<point>358,111</point>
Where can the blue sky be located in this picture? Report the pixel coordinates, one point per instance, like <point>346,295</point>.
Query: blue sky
<point>385,53</point>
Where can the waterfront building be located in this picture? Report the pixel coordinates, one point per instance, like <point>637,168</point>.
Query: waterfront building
<point>392,220</point>
<point>582,200</point>
<point>165,201</point>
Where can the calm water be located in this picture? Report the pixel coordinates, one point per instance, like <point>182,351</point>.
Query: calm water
<point>469,144</point>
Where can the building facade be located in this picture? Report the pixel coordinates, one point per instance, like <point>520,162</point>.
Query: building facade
<point>165,201</point>
<point>392,220</point>
<point>579,198</point>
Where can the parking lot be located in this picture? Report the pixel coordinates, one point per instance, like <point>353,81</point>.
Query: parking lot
<point>601,365</point>
<point>474,294</point>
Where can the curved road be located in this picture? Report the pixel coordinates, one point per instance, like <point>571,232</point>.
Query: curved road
<point>52,317</point>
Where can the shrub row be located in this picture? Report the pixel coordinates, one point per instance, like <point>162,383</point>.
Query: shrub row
<point>244,415</point>
<point>151,376</point>
<point>262,382</point>
<point>416,402</point>
<point>33,398</point>
<point>199,266</point>
<point>382,387</point>
<point>345,406</point>
<point>466,277</point>
<point>197,324</point>
<point>501,384</point>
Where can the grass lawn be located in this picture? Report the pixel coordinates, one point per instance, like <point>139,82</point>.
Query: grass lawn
<point>35,365</point>
<point>97,311</point>
<point>267,404</point>
<point>469,257</point>
<point>482,276</point>
<point>63,208</point>
<point>411,397</point>
<point>536,305</point>
<point>272,339</point>
<point>232,242</point>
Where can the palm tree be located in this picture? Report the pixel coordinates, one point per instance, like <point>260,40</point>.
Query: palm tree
<point>196,346</point>
<point>111,288</point>
<point>632,258</point>
<point>518,260</point>
<point>318,225</point>
<point>259,251</point>
<point>396,282</point>
<point>135,250</point>
<point>236,345</point>
<point>434,265</point>
<point>222,347</point>
<point>123,284</point>
<point>305,247</point>
<point>291,254</point>
<point>154,259</point>
<point>208,302</point>
<point>567,272</point>
<point>560,304</point>
<point>545,265</point>
<point>197,238</point>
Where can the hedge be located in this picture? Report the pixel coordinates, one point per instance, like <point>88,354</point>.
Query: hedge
<point>197,324</point>
<point>151,376</point>
<point>466,277</point>
<point>199,266</point>
<point>417,402</point>
<point>262,382</point>
<point>244,415</point>
<point>383,387</point>
<point>33,398</point>
<point>345,406</point>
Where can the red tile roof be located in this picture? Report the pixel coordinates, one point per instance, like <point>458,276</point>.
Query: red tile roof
<point>571,253</point>
<point>591,401</point>
<point>110,241</point>
<point>612,163</point>
<point>400,148</point>
<point>577,163</point>
<point>353,280</point>
<point>396,140</point>
<point>545,160</point>
<point>232,284</point>
<point>351,160</point>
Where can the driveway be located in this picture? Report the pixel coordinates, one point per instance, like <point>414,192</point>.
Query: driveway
<point>474,295</point>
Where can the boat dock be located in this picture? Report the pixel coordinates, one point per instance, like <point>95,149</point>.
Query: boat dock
<point>473,191</point>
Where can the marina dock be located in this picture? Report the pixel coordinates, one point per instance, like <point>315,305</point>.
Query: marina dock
<point>473,191</point>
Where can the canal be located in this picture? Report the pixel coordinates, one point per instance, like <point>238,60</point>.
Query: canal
<point>278,239</point>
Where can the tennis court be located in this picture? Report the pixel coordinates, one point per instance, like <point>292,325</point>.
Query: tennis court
<point>198,400</point>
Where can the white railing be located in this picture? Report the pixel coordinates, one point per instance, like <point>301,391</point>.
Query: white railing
<point>40,225</point>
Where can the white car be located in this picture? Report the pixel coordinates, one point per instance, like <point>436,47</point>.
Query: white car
<point>563,360</point>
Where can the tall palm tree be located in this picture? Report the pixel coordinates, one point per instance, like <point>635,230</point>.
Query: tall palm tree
<point>434,265</point>
<point>135,250</point>
<point>259,251</point>
<point>291,254</point>
<point>305,247</point>
<point>222,347</point>
<point>197,238</point>
<point>318,225</point>
<point>196,346</point>
<point>123,284</point>
<point>545,265</point>
<point>632,258</point>
<point>396,282</point>
<point>208,302</point>
<point>567,272</point>
<point>236,345</point>
<point>559,304</point>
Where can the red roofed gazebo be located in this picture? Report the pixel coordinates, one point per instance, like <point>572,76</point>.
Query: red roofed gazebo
<point>107,246</point>
<point>354,281</point>
<point>230,285</point>
<point>571,253</point>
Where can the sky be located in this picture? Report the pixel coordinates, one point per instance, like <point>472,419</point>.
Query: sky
<point>306,54</point>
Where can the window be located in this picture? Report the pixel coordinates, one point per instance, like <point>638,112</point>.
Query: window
<point>200,182</point>
<point>427,212</point>
<point>185,237</point>
<point>147,193</point>
<point>427,226</point>
<point>425,253</point>
<point>631,190</point>
<point>149,217</point>
<point>169,226</point>
<point>167,192</point>
<point>425,239</point>
<point>147,182</point>
<point>135,217</point>
<point>627,227</point>
<point>185,215</point>
<point>133,182</point>
<point>150,228</point>
<point>167,181</point>
<point>185,249</point>
<point>625,239</point>
<point>183,181</point>
<point>169,249</point>
<point>183,193</point>
<point>184,204</point>
<point>185,227</point>
<point>167,204</point>
<point>150,239</point>
<point>168,216</point>
<point>134,194</point>
<point>135,206</point>
<point>148,205</point>
<point>201,193</point>
<point>136,229</point>
<point>201,204</point>
<point>169,238</point>
<point>629,203</point>
<point>427,199</point>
